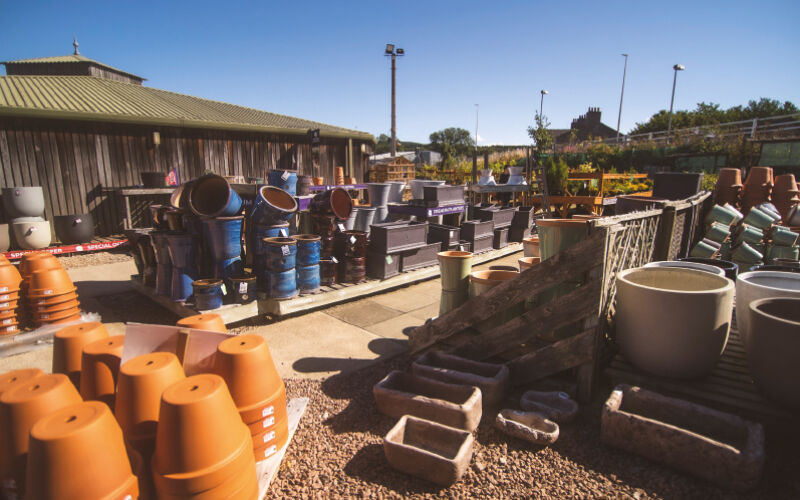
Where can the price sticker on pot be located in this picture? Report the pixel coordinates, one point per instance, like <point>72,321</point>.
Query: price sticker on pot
<point>6,297</point>
<point>341,227</point>
<point>224,290</point>
<point>283,233</point>
<point>269,421</point>
<point>389,259</point>
<point>4,289</point>
<point>8,321</point>
<point>269,436</point>
<point>48,292</point>
<point>334,260</point>
<point>242,287</point>
<point>270,451</point>
<point>285,250</point>
<point>4,305</point>
<point>269,410</point>
<point>352,240</point>
<point>285,175</point>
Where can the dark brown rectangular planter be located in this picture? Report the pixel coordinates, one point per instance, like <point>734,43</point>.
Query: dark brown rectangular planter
<point>394,237</point>
<point>381,266</point>
<point>420,257</point>
<point>446,235</point>
<point>490,378</point>
<point>472,229</point>
<point>523,217</point>
<point>500,238</point>
<point>517,234</point>
<point>455,405</point>
<point>462,246</point>
<point>443,195</point>
<point>428,450</point>
<point>482,244</point>
<point>501,217</point>
<point>719,447</point>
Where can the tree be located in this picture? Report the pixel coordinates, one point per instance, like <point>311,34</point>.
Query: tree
<point>451,142</point>
<point>384,144</point>
<point>542,138</point>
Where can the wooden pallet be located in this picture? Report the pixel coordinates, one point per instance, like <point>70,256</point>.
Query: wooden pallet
<point>729,387</point>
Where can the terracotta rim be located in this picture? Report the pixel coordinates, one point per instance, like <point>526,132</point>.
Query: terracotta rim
<point>208,321</point>
<point>32,294</point>
<point>279,241</point>
<point>489,277</point>
<point>454,254</point>
<point>307,237</point>
<point>49,300</point>
<point>278,198</point>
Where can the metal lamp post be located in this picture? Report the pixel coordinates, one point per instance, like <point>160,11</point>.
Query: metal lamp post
<point>541,102</point>
<point>622,94</point>
<point>391,52</point>
<point>677,67</point>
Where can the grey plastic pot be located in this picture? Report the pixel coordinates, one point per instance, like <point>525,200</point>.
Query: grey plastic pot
<point>378,194</point>
<point>775,347</point>
<point>5,237</point>
<point>32,235</point>
<point>23,201</point>
<point>673,322</point>
<point>757,285</point>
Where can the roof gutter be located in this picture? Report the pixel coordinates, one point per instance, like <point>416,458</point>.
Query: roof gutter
<point>175,122</point>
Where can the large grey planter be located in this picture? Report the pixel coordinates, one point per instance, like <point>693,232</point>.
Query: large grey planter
<point>716,446</point>
<point>527,425</point>
<point>378,194</point>
<point>428,450</point>
<point>364,218</point>
<point>23,201</point>
<point>761,285</point>
<point>402,393</point>
<point>490,378</point>
<point>774,351</point>
<point>31,235</point>
<point>396,189</point>
<point>5,237</point>
<point>673,322</point>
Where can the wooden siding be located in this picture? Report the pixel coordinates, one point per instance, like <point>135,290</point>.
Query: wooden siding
<point>82,165</point>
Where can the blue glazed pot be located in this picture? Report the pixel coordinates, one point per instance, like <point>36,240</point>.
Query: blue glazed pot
<point>281,254</point>
<point>181,250</point>
<point>223,235</point>
<point>260,270</point>
<point>308,247</point>
<point>308,279</point>
<point>283,179</point>
<point>207,294</point>
<point>181,284</point>
<point>224,269</point>
<point>260,232</point>
<point>273,206</point>
<point>212,196</point>
<point>281,285</point>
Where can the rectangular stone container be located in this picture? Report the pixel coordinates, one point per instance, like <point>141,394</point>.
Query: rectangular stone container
<point>431,451</point>
<point>380,266</point>
<point>420,257</point>
<point>482,243</point>
<point>522,218</point>
<point>446,235</point>
<point>443,195</point>
<point>472,229</point>
<point>394,237</point>
<point>490,378</point>
<point>501,217</point>
<point>518,234</point>
<point>716,446</point>
<point>500,238</point>
<point>401,393</point>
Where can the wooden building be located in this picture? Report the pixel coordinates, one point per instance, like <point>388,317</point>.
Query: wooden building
<point>83,130</point>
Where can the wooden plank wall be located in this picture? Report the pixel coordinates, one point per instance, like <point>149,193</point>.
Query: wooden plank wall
<point>81,165</point>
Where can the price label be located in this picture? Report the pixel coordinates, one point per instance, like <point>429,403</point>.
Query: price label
<point>270,451</point>
<point>4,289</point>
<point>224,290</point>
<point>334,260</point>
<point>269,436</point>
<point>283,232</point>
<point>242,287</point>
<point>48,292</point>
<point>389,259</point>
<point>269,422</point>
<point>285,175</point>
<point>352,240</point>
<point>285,250</point>
<point>269,410</point>
<point>341,227</point>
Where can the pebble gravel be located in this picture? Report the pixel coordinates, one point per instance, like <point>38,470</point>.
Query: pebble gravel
<point>94,258</point>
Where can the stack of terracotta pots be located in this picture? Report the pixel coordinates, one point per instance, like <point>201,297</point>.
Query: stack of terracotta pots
<point>729,187</point>
<point>339,175</point>
<point>51,296</point>
<point>21,406</point>
<point>757,188</point>
<point>68,344</point>
<point>99,369</point>
<point>785,194</point>
<point>245,363</point>
<point>202,447</point>
<point>10,280</point>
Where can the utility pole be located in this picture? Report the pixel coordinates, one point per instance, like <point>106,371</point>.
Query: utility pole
<point>622,94</point>
<point>391,52</point>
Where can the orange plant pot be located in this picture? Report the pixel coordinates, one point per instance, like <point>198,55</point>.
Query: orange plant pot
<point>79,452</point>
<point>52,299</point>
<point>54,308</point>
<point>528,262</point>
<point>7,306</point>
<point>36,262</point>
<point>49,282</point>
<point>48,318</point>
<point>21,407</point>
<point>275,440</point>
<point>9,277</point>
<point>9,330</point>
<point>209,321</point>
<point>140,469</point>
<point>272,406</point>
<point>99,368</point>
<point>68,346</point>
<point>274,412</point>
<point>10,295</point>
<point>65,321</point>
<point>11,379</point>
<point>242,484</point>
<point>8,314</point>
<point>200,437</point>
<point>245,363</point>
<point>9,322</point>
<point>140,384</point>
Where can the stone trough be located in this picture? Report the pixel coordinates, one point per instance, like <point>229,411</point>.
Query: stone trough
<point>528,425</point>
<point>716,446</point>
<point>490,378</point>
<point>401,393</point>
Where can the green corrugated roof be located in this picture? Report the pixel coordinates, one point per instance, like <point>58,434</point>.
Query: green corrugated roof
<point>99,99</point>
<point>71,58</point>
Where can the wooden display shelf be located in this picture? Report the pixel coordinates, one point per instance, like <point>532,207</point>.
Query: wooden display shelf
<point>327,296</point>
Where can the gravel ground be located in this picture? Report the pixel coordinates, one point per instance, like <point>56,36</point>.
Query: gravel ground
<point>337,452</point>
<point>94,258</point>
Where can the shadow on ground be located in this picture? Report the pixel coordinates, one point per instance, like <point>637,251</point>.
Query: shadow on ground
<point>384,348</point>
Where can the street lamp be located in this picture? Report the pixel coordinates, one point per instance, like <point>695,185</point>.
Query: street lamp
<point>677,67</point>
<point>391,52</point>
<point>541,103</point>
<point>622,94</point>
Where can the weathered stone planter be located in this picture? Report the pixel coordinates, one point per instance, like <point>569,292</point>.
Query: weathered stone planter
<point>555,406</point>
<point>428,450</point>
<point>455,405</point>
<point>490,378</point>
<point>527,425</point>
<point>673,322</point>
<point>716,446</point>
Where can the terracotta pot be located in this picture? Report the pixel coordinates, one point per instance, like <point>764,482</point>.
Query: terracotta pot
<point>242,483</point>
<point>531,246</point>
<point>200,437</point>
<point>99,368</point>
<point>49,282</point>
<point>51,300</point>
<point>40,261</point>
<point>9,330</point>
<point>556,235</point>
<point>761,285</point>
<point>209,321</point>
<point>729,177</point>
<point>54,308</point>
<point>9,296</point>
<point>68,346</point>
<point>269,417</point>
<point>455,268</point>
<point>759,176</point>
<point>270,441</point>
<point>482,281</point>
<point>318,181</point>
<point>21,407</point>
<point>528,262</point>
<point>774,348</point>
<point>11,379</point>
<point>78,452</point>
<point>9,277</point>
<point>141,382</point>
<point>673,322</point>
<point>8,314</point>
<point>63,316</point>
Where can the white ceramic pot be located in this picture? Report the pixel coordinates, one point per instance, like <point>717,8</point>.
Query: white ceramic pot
<point>761,285</point>
<point>688,265</point>
<point>487,179</point>
<point>516,177</point>
<point>673,322</point>
<point>23,201</point>
<point>32,235</point>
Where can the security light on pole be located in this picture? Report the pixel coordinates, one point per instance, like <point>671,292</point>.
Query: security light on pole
<point>677,67</point>
<point>391,52</point>
<point>541,103</point>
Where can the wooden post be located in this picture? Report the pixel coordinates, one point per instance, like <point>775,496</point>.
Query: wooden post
<point>474,168</point>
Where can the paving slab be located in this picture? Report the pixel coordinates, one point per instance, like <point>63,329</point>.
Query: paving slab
<point>362,312</point>
<point>427,312</point>
<point>408,299</point>
<point>394,327</point>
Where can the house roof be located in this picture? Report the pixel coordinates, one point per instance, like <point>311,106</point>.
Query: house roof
<point>99,99</point>
<point>71,58</point>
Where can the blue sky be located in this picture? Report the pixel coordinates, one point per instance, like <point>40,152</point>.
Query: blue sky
<point>323,60</point>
